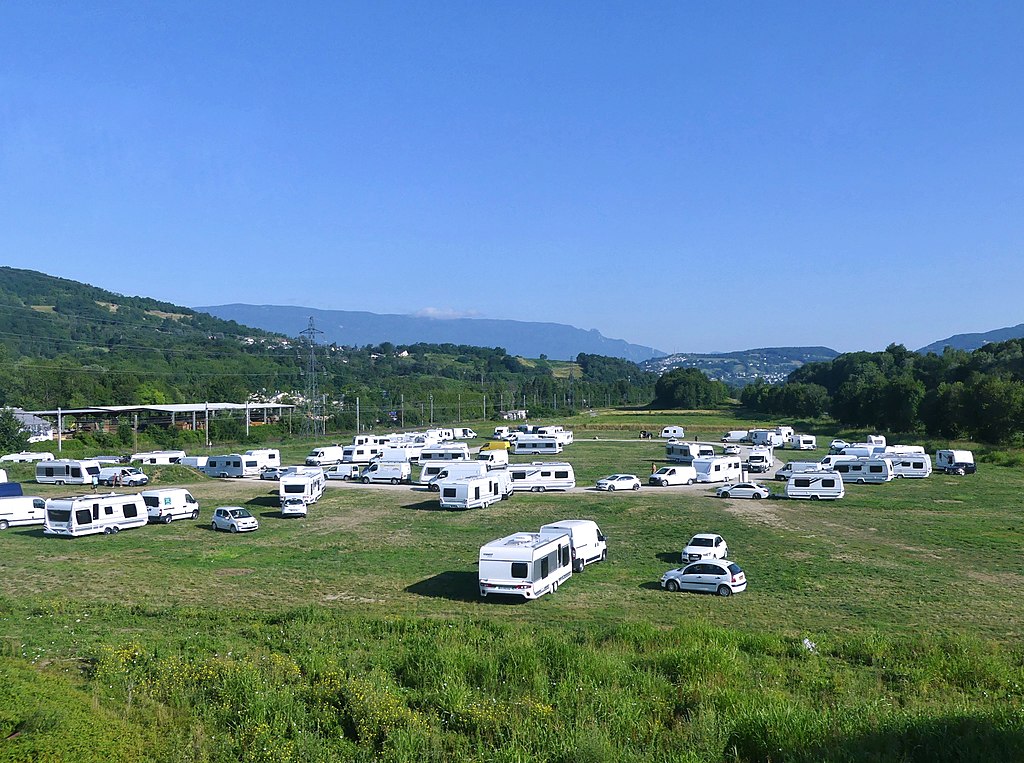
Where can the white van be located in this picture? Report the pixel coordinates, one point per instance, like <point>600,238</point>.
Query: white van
<point>673,433</point>
<point>865,470</point>
<point>473,492</point>
<point>955,461</point>
<point>494,458</point>
<point>325,455</point>
<point>308,487</point>
<point>16,510</point>
<point>229,465</point>
<point>817,486</point>
<point>536,445</point>
<point>790,468</point>
<point>503,433</point>
<point>464,433</point>
<point>673,475</point>
<point>456,470</point>
<point>718,469</point>
<point>736,435</point>
<point>525,564</point>
<point>159,457</point>
<point>96,513</point>
<point>679,452</point>
<point>265,458</point>
<point>912,465</point>
<point>26,457</point>
<point>167,504</point>
<point>588,543</point>
<point>540,476</point>
<point>67,472</point>
<point>386,471</point>
<point>127,476</point>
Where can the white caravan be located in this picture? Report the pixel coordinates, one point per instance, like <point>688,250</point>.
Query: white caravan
<point>525,564</point>
<point>265,458</point>
<point>862,450</point>
<point>17,510</point>
<point>167,504</point>
<point>67,472</point>
<point>308,487</point>
<point>588,543</point>
<point>685,452</point>
<point>760,460</point>
<point>767,437</point>
<point>790,468</point>
<point>503,433</point>
<point>439,434</point>
<point>96,513</point>
<point>435,458</point>
<point>736,435</point>
<point>673,433</point>
<point>876,439</point>
<point>225,466</point>
<point>158,457</point>
<point>955,461</point>
<point>802,442</point>
<point>369,439</point>
<point>196,462</point>
<point>536,445</point>
<point>829,461</point>
<point>386,471</point>
<point>404,451</point>
<point>26,457</point>
<point>865,470</point>
<point>673,475</point>
<point>540,476</point>
<point>785,432</point>
<point>905,450</point>
<point>913,465</point>
<point>817,486</point>
<point>474,492</point>
<point>718,469</point>
<point>325,455</point>
<point>456,470</point>
<point>563,435</point>
<point>360,454</point>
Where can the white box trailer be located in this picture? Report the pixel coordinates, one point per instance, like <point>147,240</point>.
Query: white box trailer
<point>541,476</point>
<point>308,487</point>
<point>802,442</point>
<point>66,471</point>
<point>325,455</point>
<point>167,504</point>
<point>816,486</point>
<point>97,513</point>
<point>955,461</point>
<point>225,466</point>
<point>912,465</point>
<point>19,510</point>
<point>475,492</point>
<point>718,469</point>
<point>454,470</point>
<point>865,470</point>
<point>386,471</point>
<point>679,452</point>
<point>536,445</point>
<point>158,457</point>
<point>588,543</point>
<point>525,564</point>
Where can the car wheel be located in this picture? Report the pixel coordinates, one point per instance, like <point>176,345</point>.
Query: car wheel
<point>366,480</point>
<point>636,487</point>
<point>611,488</point>
<point>195,514</point>
<point>723,495</point>
<point>4,524</point>
<point>724,590</point>
<point>213,526</point>
<point>394,481</point>
<point>672,585</point>
<point>166,519</point>
<point>604,555</point>
<point>234,528</point>
<point>688,482</point>
<point>577,566</point>
<point>756,496</point>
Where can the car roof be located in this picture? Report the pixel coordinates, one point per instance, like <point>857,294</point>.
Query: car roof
<point>706,535</point>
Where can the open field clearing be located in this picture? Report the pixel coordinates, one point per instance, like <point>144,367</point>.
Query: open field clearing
<point>358,632</point>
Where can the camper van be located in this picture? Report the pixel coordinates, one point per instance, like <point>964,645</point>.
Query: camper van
<point>474,492</point>
<point>536,445</point>
<point>817,486</point>
<point>17,510</point>
<point>127,476</point>
<point>67,472</point>
<point>760,460</point>
<point>802,442</point>
<point>912,465</point>
<point>679,452</point>
<point>588,543</point>
<point>718,469</point>
<point>456,470</point>
<point>325,455</point>
<point>525,564</point>
<point>955,461</point>
<point>96,513</point>
<point>865,470</point>
<point>790,468</point>
<point>229,465</point>
<point>673,433</point>
<point>167,504</point>
<point>386,471</point>
<point>265,458</point>
<point>308,487</point>
<point>26,457</point>
<point>158,457</point>
<point>540,476</point>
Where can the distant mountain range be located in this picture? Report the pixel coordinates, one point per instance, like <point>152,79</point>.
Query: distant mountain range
<point>974,341</point>
<point>773,364</point>
<point>356,329</point>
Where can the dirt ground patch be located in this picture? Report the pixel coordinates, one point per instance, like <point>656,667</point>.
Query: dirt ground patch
<point>756,512</point>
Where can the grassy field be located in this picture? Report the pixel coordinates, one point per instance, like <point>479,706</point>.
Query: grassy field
<point>358,634</point>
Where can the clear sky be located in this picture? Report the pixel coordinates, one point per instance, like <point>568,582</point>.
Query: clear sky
<point>694,176</point>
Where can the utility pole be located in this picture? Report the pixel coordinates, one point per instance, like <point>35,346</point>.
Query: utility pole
<point>357,415</point>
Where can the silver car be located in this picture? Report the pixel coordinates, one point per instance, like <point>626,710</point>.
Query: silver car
<point>234,519</point>
<point>708,576</point>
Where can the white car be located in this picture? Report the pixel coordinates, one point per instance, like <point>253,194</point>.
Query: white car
<point>836,446</point>
<point>276,472</point>
<point>619,482</point>
<point>705,546</point>
<point>753,490</point>
<point>708,575</point>
<point>234,519</point>
<point>293,507</point>
<point>731,450</point>
<point>673,475</point>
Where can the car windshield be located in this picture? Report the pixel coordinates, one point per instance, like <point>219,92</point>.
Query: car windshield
<point>701,542</point>
<point>240,513</point>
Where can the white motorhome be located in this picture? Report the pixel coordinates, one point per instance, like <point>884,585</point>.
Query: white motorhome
<point>494,458</point>
<point>540,476</point>
<point>673,433</point>
<point>912,465</point>
<point>760,460</point>
<point>525,564</point>
<point>767,437</point>
<point>736,435</point>
<point>955,461</point>
<point>473,492</point>
<point>536,445</point>
<point>802,442</point>
<point>26,457</point>
<point>17,510</point>
<point>67,471</point>
<point>456,470</point>
<point>817,486</point>
<point>790,468</point>
<point>265,458</point>
<point>158,457</point>
<point>679,452</point>
<point>718,469</point>
<point>325,455</point>
<point>96,513</point>
<point>167,504</point>
<point>225,466</point>
<point>865,470</point>
<point>386,471</point>
<point>308,487</point>
<point>127,476</point>
<point>588,543</point>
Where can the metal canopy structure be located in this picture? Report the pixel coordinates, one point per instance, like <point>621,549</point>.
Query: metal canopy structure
<point>174,409</point>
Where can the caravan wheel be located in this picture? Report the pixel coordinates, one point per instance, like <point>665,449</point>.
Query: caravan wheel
<point>115,529</point>
<point>107,530</point>
<point>541,488</point>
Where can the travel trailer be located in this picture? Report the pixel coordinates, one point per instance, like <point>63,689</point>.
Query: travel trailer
<point>456,470</point>
<point>473,492</point>
<point>536,445</point>
<point>673,433</point>
<point>448,451</point>
<point>67,472</point>
<point>308,487</point>
<point>588,543</point>
<point>96,513</point>
<point>265,458</point>
<point>563,435</point>
<point>325,455</point>
<point>158,457</point>
<point>955,461</point>
<point>26,457</point>
<point>525,564</point>
<point>504,433</point>
<point>225,466</point>
<point>679,452</point>
<point>196,462</point>
<point>767,437</point>
<point>912,465</point>
<point>802,442</point>
<point>369,439</point>
<point>386,471</point>
<point>865,470</point>
<point>19,510</point>
<point>540,476</point>
<point>817,486</point>
<point>360,454</point>
<point>167,504</point>
<point>718,469</point>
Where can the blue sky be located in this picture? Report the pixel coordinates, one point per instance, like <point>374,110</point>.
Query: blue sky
<point>691,176</point>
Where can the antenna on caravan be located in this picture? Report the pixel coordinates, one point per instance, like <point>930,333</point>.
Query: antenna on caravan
<point>315,423</point>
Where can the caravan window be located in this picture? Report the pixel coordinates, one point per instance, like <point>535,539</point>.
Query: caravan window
<point>561,475</point>
<point>518,475</point>
<point>108,510</point>
<point>449,492</point>
<point>76,472</point>
<point>804,482</point>
<point>828,483</point>
<point>93,470</point>
<point>130,511</point>
<point>542,568</point>
<point>83,517</point>
<point>520,569</point>
<point>566,555</point>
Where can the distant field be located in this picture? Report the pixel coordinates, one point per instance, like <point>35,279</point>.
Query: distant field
<point>358,632</point>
